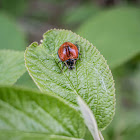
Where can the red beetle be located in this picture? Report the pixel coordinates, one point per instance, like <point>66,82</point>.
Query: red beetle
<point>69,54</point>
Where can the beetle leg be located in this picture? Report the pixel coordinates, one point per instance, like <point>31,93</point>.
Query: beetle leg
<point>78,58</point>
<point>76,42</point>
<point>66,64</point>
<point>63,67</point>
<point>76,45</point>
<point>75,61</point>
<point>59,61</point>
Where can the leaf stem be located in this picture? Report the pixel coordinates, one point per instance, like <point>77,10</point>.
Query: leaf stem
<point>101,136</point>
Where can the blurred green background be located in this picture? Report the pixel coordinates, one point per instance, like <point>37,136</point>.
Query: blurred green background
<point>113,26</point>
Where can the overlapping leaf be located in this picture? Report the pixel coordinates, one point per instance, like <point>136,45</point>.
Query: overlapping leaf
<point>91,79</point>
<point>89,119</point>
<point>28,115</point>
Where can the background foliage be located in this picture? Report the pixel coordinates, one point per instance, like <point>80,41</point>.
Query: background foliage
<point>111,25</point>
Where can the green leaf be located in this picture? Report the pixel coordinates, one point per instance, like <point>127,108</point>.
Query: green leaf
<point>136,80</point>
<point>31,136</point>
<point>27,115</point>
<point>79,14</point>
<point>91,79</point>
<point>11,66</point>
<point>116,33</point>
<point>89,118</point>
<point>11,36</point>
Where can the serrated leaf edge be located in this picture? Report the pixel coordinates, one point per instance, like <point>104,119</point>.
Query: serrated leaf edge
<point>109,71</point>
